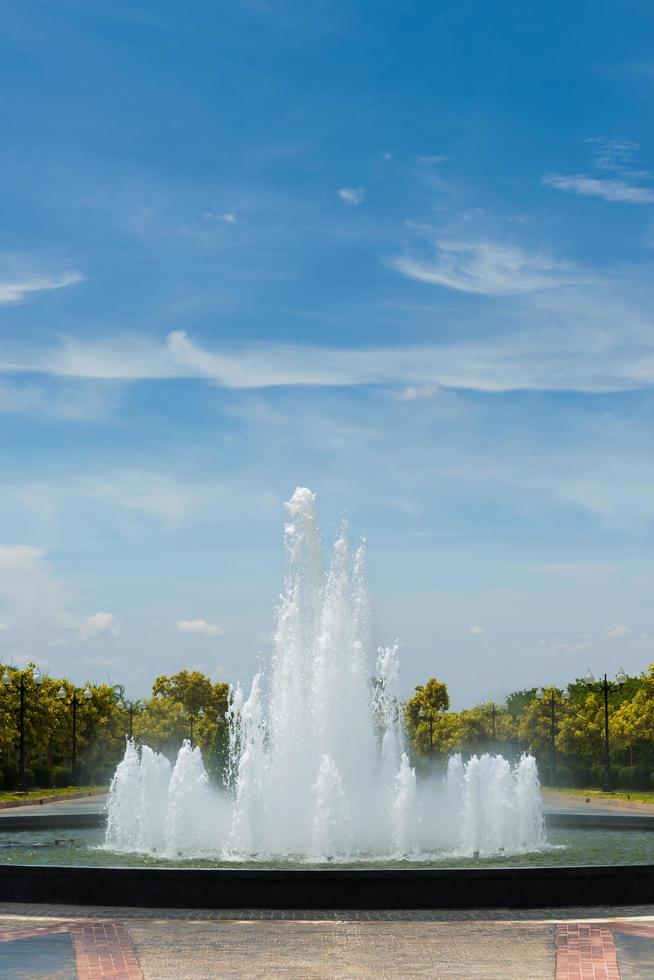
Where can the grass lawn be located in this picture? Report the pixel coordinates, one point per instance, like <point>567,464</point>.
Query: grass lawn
<point>633,795</point>
<point>10,795</point>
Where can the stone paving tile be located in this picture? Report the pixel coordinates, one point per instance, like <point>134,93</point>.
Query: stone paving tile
<point>345,950</point>
<point>140,944</point>
<point>567,913</point>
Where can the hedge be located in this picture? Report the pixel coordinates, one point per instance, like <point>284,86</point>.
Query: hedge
<point>61,777</point>
<point>42,775</point>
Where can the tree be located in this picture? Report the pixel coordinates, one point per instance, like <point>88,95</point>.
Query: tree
<point>432,698</point>
<point>176,698</point>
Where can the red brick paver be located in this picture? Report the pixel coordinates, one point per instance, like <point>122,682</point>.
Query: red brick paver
<point>586,951</point>
<point>103,950</point>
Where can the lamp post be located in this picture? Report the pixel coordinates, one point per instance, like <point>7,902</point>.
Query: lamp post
<point>493,714</point>
<point>86,696</point>
<point>131,707</point>
<point>192,719</point>
<point>552,702</point>
<point>430,718</point>
<point>605,686</point>
<point>37,680</point>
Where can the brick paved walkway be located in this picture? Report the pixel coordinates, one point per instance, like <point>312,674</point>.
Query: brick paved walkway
<point>131,944</point>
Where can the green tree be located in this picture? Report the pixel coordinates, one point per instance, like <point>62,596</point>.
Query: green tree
<point>432,700</point>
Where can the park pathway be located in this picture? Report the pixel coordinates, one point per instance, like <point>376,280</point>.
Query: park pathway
<point>70,943</point>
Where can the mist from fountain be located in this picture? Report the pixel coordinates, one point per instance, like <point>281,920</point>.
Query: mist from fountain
<point>318,766</point>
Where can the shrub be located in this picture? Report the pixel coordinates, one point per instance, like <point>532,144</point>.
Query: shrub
<point>29,778</point>
<point>1,778</point>
<point>597,774</point>
<point>84,775</point>
<point>563,776</point>
<point>634,777</point>
<point>61,777</point>
<point>104,774</point>
<point>581,777</point>
<point>651,779</point>
<point>42,775</point>
<point>10,775</point>
<point>624,777</point>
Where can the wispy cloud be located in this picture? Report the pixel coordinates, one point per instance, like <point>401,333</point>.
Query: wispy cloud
<point>199,627</point>
<point>589,358</point>
<point>487,269</point>
<point>608,190</point>
<point>428,160</point>
<point>16,290</point>
<point>19,555</point>
<point>229,217</point>
<point>616,155</point>
<point>415,392</point>
<point>352,195</point>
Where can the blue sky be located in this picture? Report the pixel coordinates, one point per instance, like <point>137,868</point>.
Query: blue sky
<point>400,253</point>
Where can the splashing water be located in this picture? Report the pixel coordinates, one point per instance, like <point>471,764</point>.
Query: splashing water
<point>318,767</point>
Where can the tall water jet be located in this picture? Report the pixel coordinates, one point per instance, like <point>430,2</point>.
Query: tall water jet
<point>318,766</point>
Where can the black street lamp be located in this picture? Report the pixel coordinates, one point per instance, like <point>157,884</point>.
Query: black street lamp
<point>131,707</point>
<point>605,686</point>
<point>552,703</point>
<point>37,680</point>
<point>430,718</point>
<point>192,719</point>
<point>493,714</point>
<point>86,696</point>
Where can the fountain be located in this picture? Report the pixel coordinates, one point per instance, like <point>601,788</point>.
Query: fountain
<point>318,768</point>
<point>320,807</point>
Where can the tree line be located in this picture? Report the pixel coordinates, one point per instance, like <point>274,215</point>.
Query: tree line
<point>179,703</point>
<point>563,728</point>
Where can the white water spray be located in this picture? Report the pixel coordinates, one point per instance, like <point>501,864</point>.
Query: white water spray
<point>317,766</point>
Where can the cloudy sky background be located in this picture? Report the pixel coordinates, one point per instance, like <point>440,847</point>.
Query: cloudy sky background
<point>400,253</point>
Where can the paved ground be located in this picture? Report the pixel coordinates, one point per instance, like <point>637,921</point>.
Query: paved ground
<point>68,943</point>
<point>87,804</point>
<point>560,803</point>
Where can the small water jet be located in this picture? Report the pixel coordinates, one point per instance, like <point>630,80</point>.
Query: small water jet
<point>318,767</point>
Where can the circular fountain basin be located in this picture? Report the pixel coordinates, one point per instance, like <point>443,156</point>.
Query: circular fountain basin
<point>583,864</point>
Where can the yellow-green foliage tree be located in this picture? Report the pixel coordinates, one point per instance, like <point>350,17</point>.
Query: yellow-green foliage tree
<point>49,722</point>
<point>474,729</point>
<point>535,725</point>
<point>433,701</point>
<point>176,698</point>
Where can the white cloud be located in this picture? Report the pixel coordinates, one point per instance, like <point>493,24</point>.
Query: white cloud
<point>103,662</point>
<point>3,627</point>
<point>17,289</point>
<point>608,190</point>
<point>229,217</point>
<point>476,630</point>
<point>352,195</point>
<point>386,156</point>
<point>613,154</point>
<point>438,158</point>
<point>19,555</point>
<point>94,625</point>
<point>199,627</point>
<point>416,392</point>
<point>616,631</point>
<point>486,269</point>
